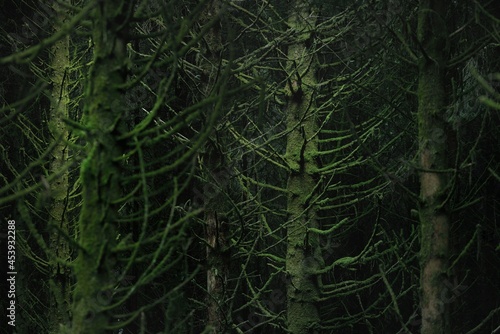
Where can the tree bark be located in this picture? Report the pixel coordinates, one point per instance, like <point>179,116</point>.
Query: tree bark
<point>59,248</point>
<point>216,226</point>
<point>100,172</point>
<point>303,258</point>
<point>434,161</point>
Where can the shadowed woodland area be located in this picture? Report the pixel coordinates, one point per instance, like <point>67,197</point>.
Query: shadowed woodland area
<point>250,166</point>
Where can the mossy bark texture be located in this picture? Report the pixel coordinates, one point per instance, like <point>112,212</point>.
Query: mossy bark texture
<point>60,251</point>
<point>434,164</point>
<point>303,258</point>
<point>100,172</point>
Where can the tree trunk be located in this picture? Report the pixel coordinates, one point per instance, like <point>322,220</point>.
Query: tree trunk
<point>60,275</point>
<point>216,226</point>
<point>100,172</point>
<point>218,271</point>
<point>433,154</point>
<point>303,257</point>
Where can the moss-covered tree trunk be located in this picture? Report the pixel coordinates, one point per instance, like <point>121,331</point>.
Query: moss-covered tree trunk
<point>60,274</point>
<point>303,257</point>
<point>100,172</point>
<point>433,155</point>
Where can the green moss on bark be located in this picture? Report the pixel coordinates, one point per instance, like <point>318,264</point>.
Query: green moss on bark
<point>60,252</point>
<point>303,258</point>
<point>100,174</point>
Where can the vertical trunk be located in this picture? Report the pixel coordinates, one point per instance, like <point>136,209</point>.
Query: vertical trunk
<point>216,228</point>
<point>218,271</point>
<point>100,172</point>
<point>434,180</point>
<point>59,248</point>
<point>303,256</point>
